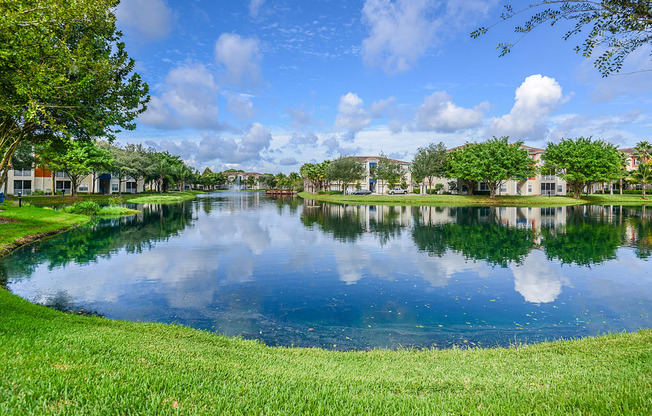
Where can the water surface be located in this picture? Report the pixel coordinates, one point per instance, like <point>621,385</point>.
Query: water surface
<point>294,272</point>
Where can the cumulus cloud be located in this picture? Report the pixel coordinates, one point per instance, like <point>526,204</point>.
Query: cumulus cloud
<point>240,57</point>
<point>149,19</point>
<point>308,139</point>
<point>536,98</point>
<point>351,113</point>
<point>189,99</point>
<point>537,279</point>
<point>229,150</point>
<point>439,113</point>
<point>300,118</point>
<point>402,31</point>
<point>334,147</point>
<point>254,7</point>
<point>288,161</point>
<point>240,106</point>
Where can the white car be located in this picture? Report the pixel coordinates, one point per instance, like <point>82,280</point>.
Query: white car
<point>398,191</point>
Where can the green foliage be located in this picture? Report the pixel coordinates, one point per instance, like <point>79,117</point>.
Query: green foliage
<point>642,175</point>
<point>615,28</point>
<point>389,171</point>
<point>492,162</point>
<point>115,201</point>
<point>429,163</point>
<point>345,170</point>
<point>583,161</point>
<point>315,173</point>
<point>84,208</point>
<point>64,73</point>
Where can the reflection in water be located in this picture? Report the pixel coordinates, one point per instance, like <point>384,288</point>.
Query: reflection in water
<point>294,272</point>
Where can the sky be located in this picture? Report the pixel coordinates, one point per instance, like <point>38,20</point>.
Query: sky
<point>267,85</point>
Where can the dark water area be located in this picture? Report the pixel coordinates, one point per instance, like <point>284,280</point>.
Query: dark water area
<point>294,272</point>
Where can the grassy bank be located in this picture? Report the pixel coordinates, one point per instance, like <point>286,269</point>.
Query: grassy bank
<point>167,198</point>
<point>53,363</point>
<point>19,226</point>
<point>480,200</point>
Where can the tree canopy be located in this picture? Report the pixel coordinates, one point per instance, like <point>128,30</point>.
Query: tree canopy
<point>614,28</point>
<point>64,73</point>
<point>389,171</point>
<point>492,162</point>
<point>429,163</point>
<point>583,161</point>
<point>345,170</point>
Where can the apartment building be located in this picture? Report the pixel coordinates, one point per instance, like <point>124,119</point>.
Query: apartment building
<point>26,182</point>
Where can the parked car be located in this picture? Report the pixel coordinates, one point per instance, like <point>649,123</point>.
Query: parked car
<point>360,192</point>
<point>398,191</point>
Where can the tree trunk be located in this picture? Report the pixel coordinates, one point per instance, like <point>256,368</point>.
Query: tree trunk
<point>54,182</point>
<point>621,186</point>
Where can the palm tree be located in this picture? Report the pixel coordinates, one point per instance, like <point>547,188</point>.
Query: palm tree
<point>643,175</point>
<point>643,151</point>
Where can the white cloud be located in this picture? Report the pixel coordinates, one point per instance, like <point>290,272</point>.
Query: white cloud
<point>228,150</point>
<point>402,31</point>
<point>288,161</point>
<point>438,113</point>
<point>189,99</point>
<point>351,113</point>
<point>537,279</point>
<point>254,7</point>
<point>536,98</point>
<point>240,56</point>
<point>150,19</point>
<point>300,118</point>
<point>240,106</point>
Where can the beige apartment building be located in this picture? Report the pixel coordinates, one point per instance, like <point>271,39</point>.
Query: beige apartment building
<point>26,182</point>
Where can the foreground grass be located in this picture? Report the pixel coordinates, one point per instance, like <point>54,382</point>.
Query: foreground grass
<point>19,226</point>
<point>135,198</point>
<point>53,363</point>
<point>480,200</point>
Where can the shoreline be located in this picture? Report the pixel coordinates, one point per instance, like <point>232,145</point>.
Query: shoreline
<point>478,200</point>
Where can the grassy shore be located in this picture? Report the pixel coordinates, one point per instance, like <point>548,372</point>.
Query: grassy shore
<point>19,226</point>
<point>168,198</point>
<point>480,200</point>
<point>53,363</point>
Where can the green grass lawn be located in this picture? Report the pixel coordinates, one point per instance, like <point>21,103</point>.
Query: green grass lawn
<point>22,225</point>
<point>55,363</point>
<point>168,198</point>
<point>480,200</point>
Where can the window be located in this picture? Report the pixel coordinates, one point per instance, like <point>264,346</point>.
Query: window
<point>114,187</point>
<point>503,188</point>
<point>547,189</point>
<point>529,188</point>
<point>548,177</point>
<point>635,161</point>
<point>131,187</point>
<point>83,187</point>
<point>61,174</point>
<point>24,187</point>
<point>560,189</point>
<point>483,186</point>
<point>25,172</point>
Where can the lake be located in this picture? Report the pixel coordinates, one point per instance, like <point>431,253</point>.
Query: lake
<point>296,272</point>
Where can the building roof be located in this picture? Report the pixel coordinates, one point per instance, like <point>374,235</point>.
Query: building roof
<point>365,158</point>
<point>629,150</point>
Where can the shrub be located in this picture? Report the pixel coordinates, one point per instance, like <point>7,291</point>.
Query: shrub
<point>334,192</point>
<point>85,208</point>
<point>416,190</point>
<point>439,187</point>
<point>38,192</point>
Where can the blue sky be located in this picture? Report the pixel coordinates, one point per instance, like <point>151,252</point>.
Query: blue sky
<point>266,86</point>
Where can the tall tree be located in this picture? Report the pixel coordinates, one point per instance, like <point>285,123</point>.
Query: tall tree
<point>389,171</point>
<point>642,175</point>
<point>429,163</point>
<point>64,73</point>
<point>614,28</point>
<point>345,170</point>
<point>492,162</point>
<point>643,151</point>
<point>583,161</point>
<point>77,159</point>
